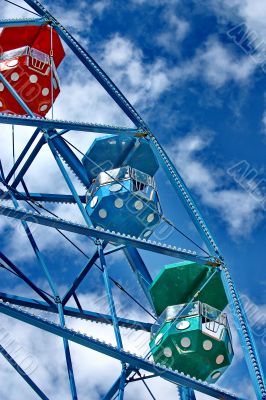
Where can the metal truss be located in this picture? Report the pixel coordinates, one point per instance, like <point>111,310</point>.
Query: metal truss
<point>50,133</point>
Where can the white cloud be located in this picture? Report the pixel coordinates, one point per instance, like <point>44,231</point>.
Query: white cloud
<point>252,12</point>
<point>217,65</point>
<point>174,32</point>
<point>142,82</point>
<point>207,182</point>
<point>181,28</point>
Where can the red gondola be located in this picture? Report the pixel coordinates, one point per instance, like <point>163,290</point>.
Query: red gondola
<point>26,64</point>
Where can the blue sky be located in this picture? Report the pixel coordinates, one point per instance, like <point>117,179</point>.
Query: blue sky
<point>203,96</point>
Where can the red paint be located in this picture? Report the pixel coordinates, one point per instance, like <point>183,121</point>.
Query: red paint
<point>28,69</point>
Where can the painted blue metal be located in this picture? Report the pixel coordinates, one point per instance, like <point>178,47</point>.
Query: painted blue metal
<point>74,312</point>
<point>6,262</point>
<point>52,285</point>
<point>122,383</point>
<point>110,152</point>
<point>23,22</point>
<point>71,159</point>
<point>23,374</point>
<point>117,238</point>
<point>140,269</point>
<point>80,277</point>
<point>22,155</point>
<point>185,196</point>
<point>114,250</point>
<point>2,175</point>
<point>115,387</point>
<point>138,265</point>
<point>67,355</point>
<point>46,197</point>
<point>185,393</point>
<point>49,124</point>
<point>28,162</point>
<point>246,336</point>
<point>68,181</point>
<point>123,356</point>
<point>110,297</point>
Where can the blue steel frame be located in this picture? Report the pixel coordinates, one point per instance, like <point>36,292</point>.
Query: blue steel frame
<point>47,132</point>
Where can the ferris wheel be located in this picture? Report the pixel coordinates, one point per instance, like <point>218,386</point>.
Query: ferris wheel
<point>115,185</point>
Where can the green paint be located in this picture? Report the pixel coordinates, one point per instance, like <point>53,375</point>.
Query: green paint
<point>201,347</point>
<point>177,283</point>
<point>192,360</point>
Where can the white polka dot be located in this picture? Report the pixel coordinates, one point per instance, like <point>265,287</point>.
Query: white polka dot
<point>102,213</point>
<point>207,345</point>
<point>94,201</point>
<point>44,107</point>
<point>219,359</point>
<point>33,78</point>
<point>216,375</point>
<point>1,104</point>
<point>167,352</point>
<point>45,91</point>
<point>185,342</point>
<point>147,233</point>
<point>15,76</point>
<point>183,325</point>
<point>150,218</point>
<point>230,349</point>
<point>138,205</point>
<point>1,87</point>
<point>115,187</point>
<point>119,203</point>
<point>158,339</point>
<point>12,63</point>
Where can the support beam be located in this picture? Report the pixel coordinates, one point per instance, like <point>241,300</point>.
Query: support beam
<point>140,270</point>
<point>246,336</point>
<point>112,308</point>
<point>115,387</point>
<point>118,238</point>
<point>121,355</point>
<point>53,288</point>
<point>122,383</point>
<point>28,162</point>
<point>71,159</point>
<point>76,313</point>
<point>22,155</point>
<point>49,124</point>
<point>80,278</point>
<point>7,263</point>
<point>11,23</point>
<point>185,393</point>
<point>68,181</point>
<point>184,195</point>
<point>23,374</point>
<point>47,197</point>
